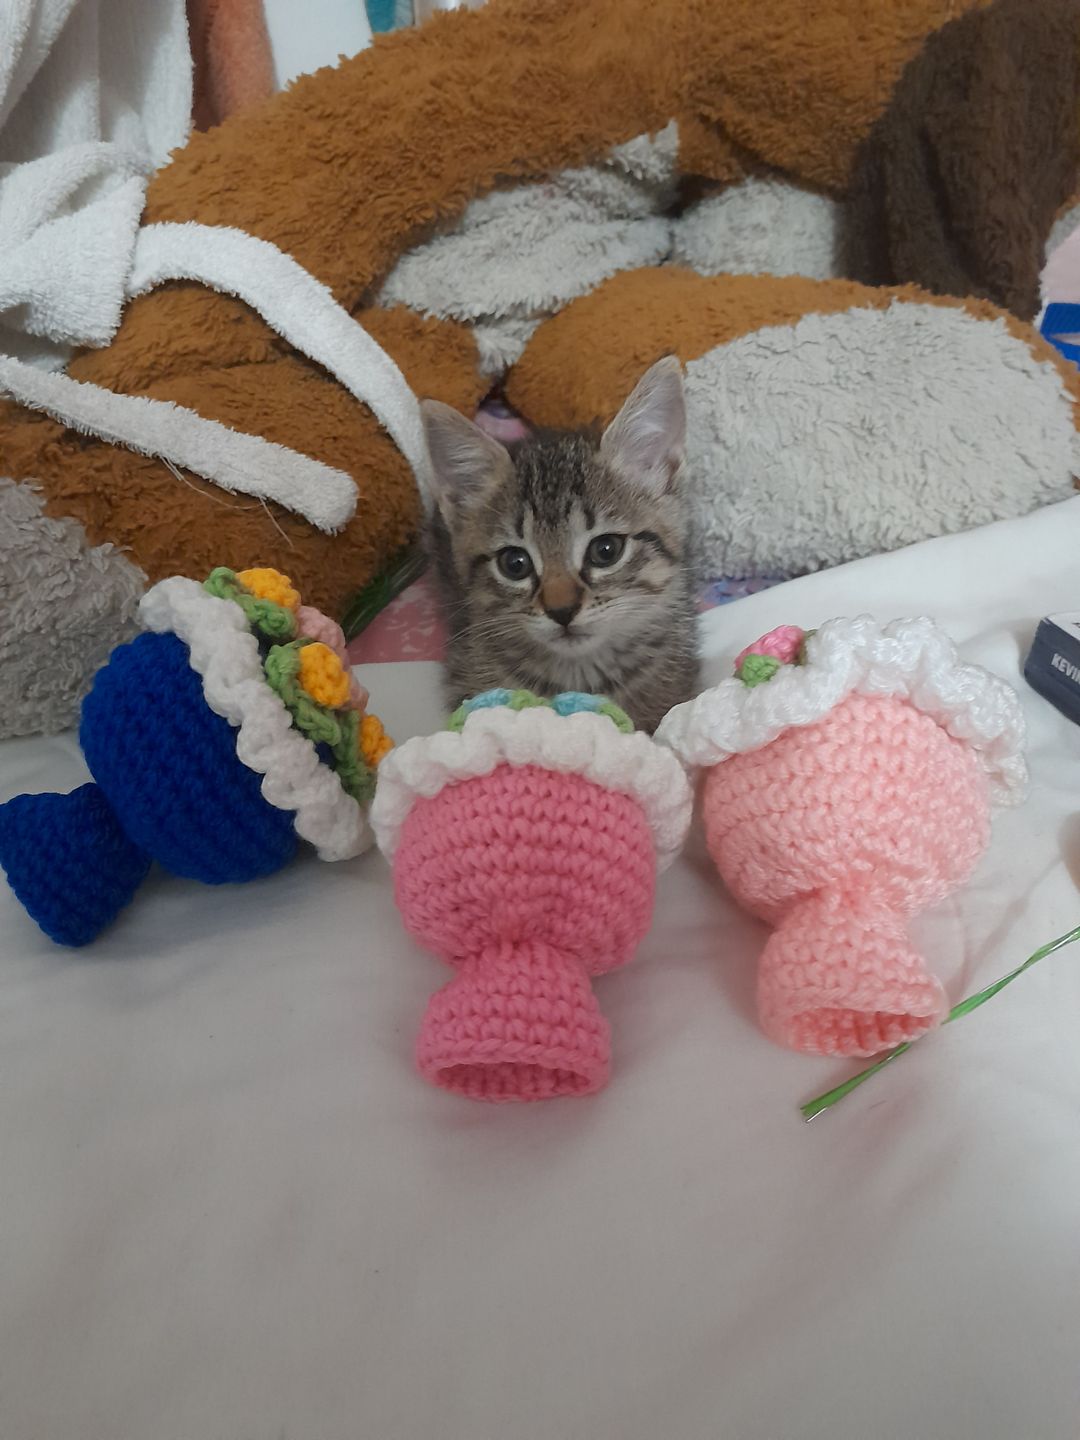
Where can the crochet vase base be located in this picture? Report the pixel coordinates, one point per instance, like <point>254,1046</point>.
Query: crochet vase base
<point>512,1082</point>
<point>517,1023</point>
<point>68,862</point>
<point>839,976</point>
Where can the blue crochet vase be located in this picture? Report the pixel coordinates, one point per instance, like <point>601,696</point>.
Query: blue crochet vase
<point>168,787</point>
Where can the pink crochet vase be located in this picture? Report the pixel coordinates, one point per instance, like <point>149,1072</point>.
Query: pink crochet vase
<point>836,834</point>
<point>528,883</point>
<point>525,843</point>
<point>848,781</point>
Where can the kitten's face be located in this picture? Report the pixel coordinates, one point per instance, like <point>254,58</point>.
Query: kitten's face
<point>565,551</point>
<point>573,547</point>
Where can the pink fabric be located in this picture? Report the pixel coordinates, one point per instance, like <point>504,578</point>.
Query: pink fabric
<point>527,882</point>
<point>314,625</point>
<point>410,628</point>
<point>836,833</point>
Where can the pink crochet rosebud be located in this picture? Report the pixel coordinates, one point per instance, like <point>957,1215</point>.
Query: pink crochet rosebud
<point>525,851</point>
<point>842,797</point>
<point>781,644</point>
<point>314,625</point>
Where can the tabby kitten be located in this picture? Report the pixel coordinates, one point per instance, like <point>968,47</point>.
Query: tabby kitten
<point>564,566</point>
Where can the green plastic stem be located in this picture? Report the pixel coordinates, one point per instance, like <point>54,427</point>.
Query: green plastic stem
<point>813,1108</point>
<point>407,566</point>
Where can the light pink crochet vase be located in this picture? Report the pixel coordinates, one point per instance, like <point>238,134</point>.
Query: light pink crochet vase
<point>528,882</point>
<point>848,779</point>
<point>837,833</point>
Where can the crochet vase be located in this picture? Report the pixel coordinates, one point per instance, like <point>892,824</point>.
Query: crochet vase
<point>525,844</point>
<point>849,778</point>
<point>217,740</point>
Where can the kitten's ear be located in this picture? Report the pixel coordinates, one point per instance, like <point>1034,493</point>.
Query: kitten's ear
<point>646,441</point>
<point>465,463</point>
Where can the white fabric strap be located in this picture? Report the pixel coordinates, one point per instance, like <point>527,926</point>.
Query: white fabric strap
<point>238,462</point>
<point>298,307</point>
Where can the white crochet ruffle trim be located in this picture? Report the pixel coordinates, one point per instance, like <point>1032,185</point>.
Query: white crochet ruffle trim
<point>584,744</point>
<point>225,655</point>
<point>912,659</point>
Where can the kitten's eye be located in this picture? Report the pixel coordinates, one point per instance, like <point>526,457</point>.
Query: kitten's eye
<point>604,550</point>
<point>514,563</point>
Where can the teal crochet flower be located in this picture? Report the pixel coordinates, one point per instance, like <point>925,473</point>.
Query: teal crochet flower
<point>570,702</point>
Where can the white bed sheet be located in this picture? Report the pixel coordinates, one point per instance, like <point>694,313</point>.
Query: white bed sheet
<point>229,1208</point>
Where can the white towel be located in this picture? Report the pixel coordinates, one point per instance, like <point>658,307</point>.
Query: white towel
<point>300,308</point>
<point>94,94</point>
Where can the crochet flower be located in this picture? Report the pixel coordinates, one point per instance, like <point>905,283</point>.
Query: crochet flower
<point>570,702</point>
<point>305,662</point>
<point>323,676</point>
<point>760,662</point>
<point>271,585</point>
<point>374,741</point>
<point>314,625</point>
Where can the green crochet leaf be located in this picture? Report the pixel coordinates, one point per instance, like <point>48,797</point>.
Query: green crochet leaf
<point>282,666</point>
<point>356,776</point>
<point>338,730</point>
<point>757,669</point>
<point>270,619</point>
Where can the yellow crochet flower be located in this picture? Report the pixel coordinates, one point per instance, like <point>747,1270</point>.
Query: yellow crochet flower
<point>374,741</point>
<point>271,585</point>
<point>322,675</point>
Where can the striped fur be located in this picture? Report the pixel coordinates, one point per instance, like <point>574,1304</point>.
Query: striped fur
<point>631,633</point>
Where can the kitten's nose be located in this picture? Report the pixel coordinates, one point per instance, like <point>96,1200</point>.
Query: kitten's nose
<point>563,614</point>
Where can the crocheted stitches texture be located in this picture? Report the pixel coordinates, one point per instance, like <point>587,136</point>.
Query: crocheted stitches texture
<point>68,862</point>
<point>528,882</point>
<point>226,657</point>
<point>836,833</point>
<point>912,660</point>
<point>584,744</point>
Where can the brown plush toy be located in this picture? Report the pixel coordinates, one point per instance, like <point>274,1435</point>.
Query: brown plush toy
<point>826,420</point>
<point>961,178</point>
<point>397,192</point>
